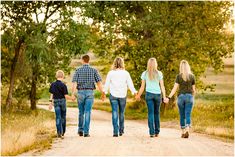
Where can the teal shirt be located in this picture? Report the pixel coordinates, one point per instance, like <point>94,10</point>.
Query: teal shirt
<point>152,86</point>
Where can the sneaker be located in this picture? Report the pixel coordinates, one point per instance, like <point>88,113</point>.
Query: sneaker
<point>80,133</point>
<point>156,135</point>
<point>86,135</point>
<point>115,135</point>
<point>121,133</point>
<point>151,135</point>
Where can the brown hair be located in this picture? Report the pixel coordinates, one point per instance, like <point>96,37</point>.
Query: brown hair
<point>86,58</point>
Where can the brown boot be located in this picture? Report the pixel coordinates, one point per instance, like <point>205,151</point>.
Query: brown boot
<point>186,135</point>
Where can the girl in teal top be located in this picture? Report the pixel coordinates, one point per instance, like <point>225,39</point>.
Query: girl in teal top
<point>152,86</point>
<point>155,90</point>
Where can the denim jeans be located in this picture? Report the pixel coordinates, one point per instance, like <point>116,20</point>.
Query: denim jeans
<point>60,112</point>
<point>153,102</point>
<point>85,103</point>
<point>185,105</point>
<point>118,109</point>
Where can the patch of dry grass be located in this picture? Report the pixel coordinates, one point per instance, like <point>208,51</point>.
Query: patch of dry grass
<point>26,130</point>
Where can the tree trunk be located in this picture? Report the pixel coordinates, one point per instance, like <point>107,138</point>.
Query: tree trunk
<point>12,75</point>
<point>33,92</point>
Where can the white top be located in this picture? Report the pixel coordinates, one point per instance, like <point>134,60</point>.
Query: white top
<point>117,82</point>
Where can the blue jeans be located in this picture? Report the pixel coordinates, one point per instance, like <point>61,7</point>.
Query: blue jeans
<point>118,104</point>
<point>60,112</point>
<point>153,102</point>
<point>85,102</point>
<point>185,105</point>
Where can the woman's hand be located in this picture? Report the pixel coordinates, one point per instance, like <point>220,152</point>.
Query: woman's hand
<point>103,96</point>
<point>137,97</point>
<point>166,100</point>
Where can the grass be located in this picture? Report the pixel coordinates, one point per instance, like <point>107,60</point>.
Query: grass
<point>214,114</point>
<point>25,130</point>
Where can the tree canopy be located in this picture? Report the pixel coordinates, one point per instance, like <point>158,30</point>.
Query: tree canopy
<point>169,31</point>
<point>40,34</point>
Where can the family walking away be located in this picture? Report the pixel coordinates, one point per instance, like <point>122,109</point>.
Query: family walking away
<point>117,82</point>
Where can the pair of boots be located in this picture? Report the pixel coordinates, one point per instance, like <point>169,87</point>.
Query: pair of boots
<point>185,132</point>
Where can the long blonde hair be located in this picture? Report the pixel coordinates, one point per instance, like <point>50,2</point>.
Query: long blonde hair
<point>152,69</point>
<point>118,63</point>
<point>185,70</point>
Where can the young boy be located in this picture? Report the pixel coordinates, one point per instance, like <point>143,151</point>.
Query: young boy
<point>59,92</point>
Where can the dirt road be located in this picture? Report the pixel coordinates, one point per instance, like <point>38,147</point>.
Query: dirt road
<point>135,141</point>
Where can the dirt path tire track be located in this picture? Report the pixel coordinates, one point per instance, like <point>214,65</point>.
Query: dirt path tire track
<point>135,141</point>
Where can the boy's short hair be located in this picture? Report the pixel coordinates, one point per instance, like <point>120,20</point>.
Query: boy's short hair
<point>59,74</point>
<point>86,58</point>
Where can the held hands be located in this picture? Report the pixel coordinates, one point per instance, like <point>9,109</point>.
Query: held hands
<point>137,97</point>
<point>166,100</point>
<point>73,98</point>
<point>103,96</point>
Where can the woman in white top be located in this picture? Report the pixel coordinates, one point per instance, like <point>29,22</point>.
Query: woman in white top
<point>117,81</point>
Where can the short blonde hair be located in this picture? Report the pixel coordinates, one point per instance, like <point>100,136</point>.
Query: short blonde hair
<point>59,74</point>
<point>118,63</point>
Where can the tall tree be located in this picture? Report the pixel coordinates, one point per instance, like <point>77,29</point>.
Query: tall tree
<point>39,27</point>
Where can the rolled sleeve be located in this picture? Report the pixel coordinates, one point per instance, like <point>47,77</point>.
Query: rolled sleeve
<point>97,76</point>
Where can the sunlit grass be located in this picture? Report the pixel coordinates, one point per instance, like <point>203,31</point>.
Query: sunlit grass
<point>26,130</point>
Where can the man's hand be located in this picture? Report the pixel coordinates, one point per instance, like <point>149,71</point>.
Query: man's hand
<point>103,96</point>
